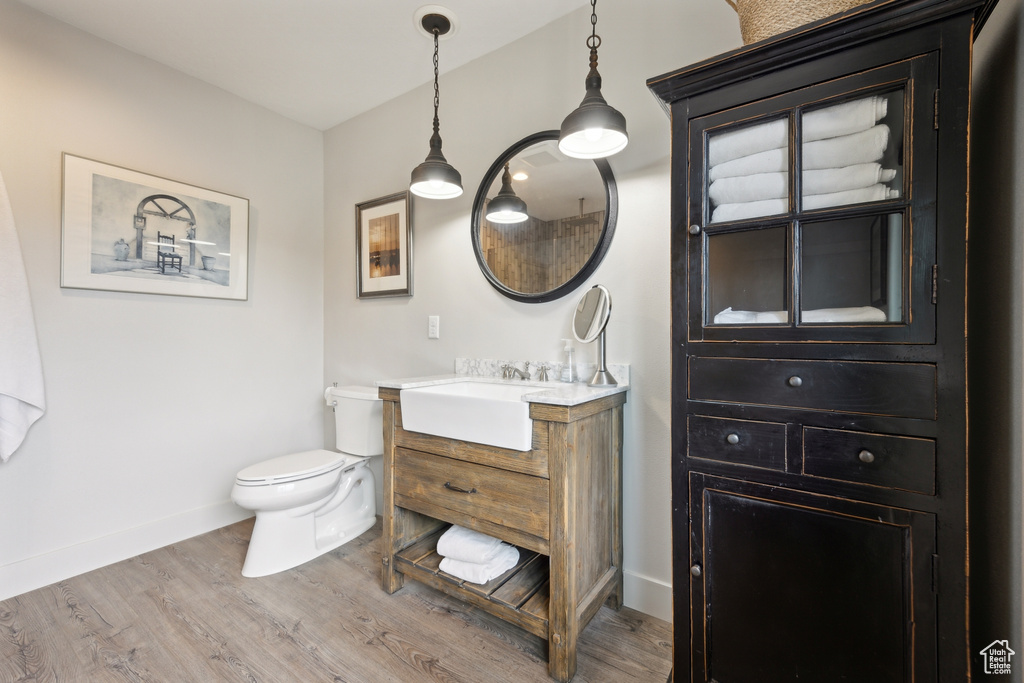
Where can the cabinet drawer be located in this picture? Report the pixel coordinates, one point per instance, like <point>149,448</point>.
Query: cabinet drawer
<point>510,499</point>
<point>896,389</point>
<point>899,462</point>
<point>742,442</point>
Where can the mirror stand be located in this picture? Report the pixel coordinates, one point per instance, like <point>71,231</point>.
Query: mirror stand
<point>602,378</point>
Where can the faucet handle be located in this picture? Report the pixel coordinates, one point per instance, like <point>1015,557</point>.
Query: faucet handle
<point>542,373</point>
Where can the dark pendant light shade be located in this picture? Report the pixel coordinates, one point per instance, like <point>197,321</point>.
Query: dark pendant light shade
<point>594,129</point>
<point>506,207</point>
<point>435,178</point>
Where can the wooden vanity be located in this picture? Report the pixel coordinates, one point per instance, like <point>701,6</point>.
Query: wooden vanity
<point>560,503</point>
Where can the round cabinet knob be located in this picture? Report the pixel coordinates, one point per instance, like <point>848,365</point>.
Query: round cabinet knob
<point>694,229</point>
<point>733,439</point>
<point>866,456</point>
<point>794,381</point>
<point>695,571</point>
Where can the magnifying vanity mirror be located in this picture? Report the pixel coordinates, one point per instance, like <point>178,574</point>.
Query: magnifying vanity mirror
<point>564,212</point>
<point>589,323</point>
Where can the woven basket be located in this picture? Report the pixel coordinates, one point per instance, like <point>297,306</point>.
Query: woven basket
<point>760,19</point>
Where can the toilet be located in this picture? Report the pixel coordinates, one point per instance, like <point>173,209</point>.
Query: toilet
<point>310,503</point>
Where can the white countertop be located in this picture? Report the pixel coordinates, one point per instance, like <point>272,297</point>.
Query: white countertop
<point>552,393</point>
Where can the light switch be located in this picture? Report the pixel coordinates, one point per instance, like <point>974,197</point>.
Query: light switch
<point>433,327</point>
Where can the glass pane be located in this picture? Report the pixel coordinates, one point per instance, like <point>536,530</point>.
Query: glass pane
<point>851,151</point>
<point>747,278</point>
<point>748,171</point>
<point>852,270</point>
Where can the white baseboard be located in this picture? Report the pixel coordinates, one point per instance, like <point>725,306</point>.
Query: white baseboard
<point>647,595</point>
<point>42,570</point>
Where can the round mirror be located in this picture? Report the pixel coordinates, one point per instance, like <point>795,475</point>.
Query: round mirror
<point>591,314</point>
<point>552,221</point>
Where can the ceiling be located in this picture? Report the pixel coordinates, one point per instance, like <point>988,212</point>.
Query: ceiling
<point>318,62</point>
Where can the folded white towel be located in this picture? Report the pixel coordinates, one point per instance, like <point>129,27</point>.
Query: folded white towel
<point>846,150</point>
<point>771,207</point>
<point>760,186</point>
<point>852,314</point>
<point>474,572</point>
<point>22,400</point>
<point>466,545</point>
<point>829,122</point>
<point>875,193</point>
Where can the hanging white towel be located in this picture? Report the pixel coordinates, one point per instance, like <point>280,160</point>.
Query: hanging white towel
<point>760,186</point>
<point>858,148</point>
<point>22,401</point>
<point>474,572</point>
<point>467,545</point>
<point>829,122</point>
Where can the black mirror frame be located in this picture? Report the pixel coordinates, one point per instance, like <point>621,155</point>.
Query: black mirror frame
<point>611,196</point>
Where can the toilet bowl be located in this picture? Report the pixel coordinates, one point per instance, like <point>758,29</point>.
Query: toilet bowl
<point>312,502</point>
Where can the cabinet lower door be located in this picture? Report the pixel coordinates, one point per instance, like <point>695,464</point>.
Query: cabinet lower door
<point>791,586</point>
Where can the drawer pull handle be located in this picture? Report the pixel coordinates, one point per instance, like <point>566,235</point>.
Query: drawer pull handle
<point>694,229</point>
<point>794,381</point>
<point>733,439</point>
<point>866,456</point>
<point>695,571</point>
<point>448,485</point>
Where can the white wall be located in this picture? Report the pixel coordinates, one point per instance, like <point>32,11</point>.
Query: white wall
<point>153,402</point>
<point>486,106</point>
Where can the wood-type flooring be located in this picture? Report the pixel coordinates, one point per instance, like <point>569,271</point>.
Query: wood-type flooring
<point>185,613</point>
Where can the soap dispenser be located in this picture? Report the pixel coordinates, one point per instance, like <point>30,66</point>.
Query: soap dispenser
<point>569,367</point>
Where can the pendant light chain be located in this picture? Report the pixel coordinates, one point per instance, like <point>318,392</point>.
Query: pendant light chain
<point>437,92</point>
<point>594,41</point>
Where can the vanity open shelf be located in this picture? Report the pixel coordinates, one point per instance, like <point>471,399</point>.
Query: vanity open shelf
<point>560,503</point>
<point>519,596</point>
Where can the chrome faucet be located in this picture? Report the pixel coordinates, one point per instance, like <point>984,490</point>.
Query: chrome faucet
<point>510,371</point>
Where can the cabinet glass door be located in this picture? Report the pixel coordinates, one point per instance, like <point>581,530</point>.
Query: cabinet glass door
<point>802,215</point>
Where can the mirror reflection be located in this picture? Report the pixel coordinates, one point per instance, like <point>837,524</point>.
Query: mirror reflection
<point>542,221</point>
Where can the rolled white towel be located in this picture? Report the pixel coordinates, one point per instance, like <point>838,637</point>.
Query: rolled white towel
<point>475,572</point>
<point>846,150</point>
<point>771,207</point>
<point>466,545</point>
<point>760,186</point>
<point>829,122</point>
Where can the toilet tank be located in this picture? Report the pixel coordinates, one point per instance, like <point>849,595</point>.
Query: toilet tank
<point>358,418</point>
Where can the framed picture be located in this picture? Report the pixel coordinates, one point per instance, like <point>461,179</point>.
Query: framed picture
<point>127,231</point>
<point>384,247</point>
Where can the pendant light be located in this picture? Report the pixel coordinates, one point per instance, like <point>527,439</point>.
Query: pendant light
<point>435,178</point>
<point>594,129</point>
<point>506,207</point>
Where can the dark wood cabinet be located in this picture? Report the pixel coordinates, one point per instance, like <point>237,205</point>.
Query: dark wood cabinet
<point>819,412</point>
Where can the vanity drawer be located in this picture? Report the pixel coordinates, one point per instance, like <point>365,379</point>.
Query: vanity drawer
<point>898,462</point>
<point>424,482</point>
<point>741,442</point>
<point>896,389</point>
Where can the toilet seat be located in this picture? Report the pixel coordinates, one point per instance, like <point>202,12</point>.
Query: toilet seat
<point>293,467</point>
